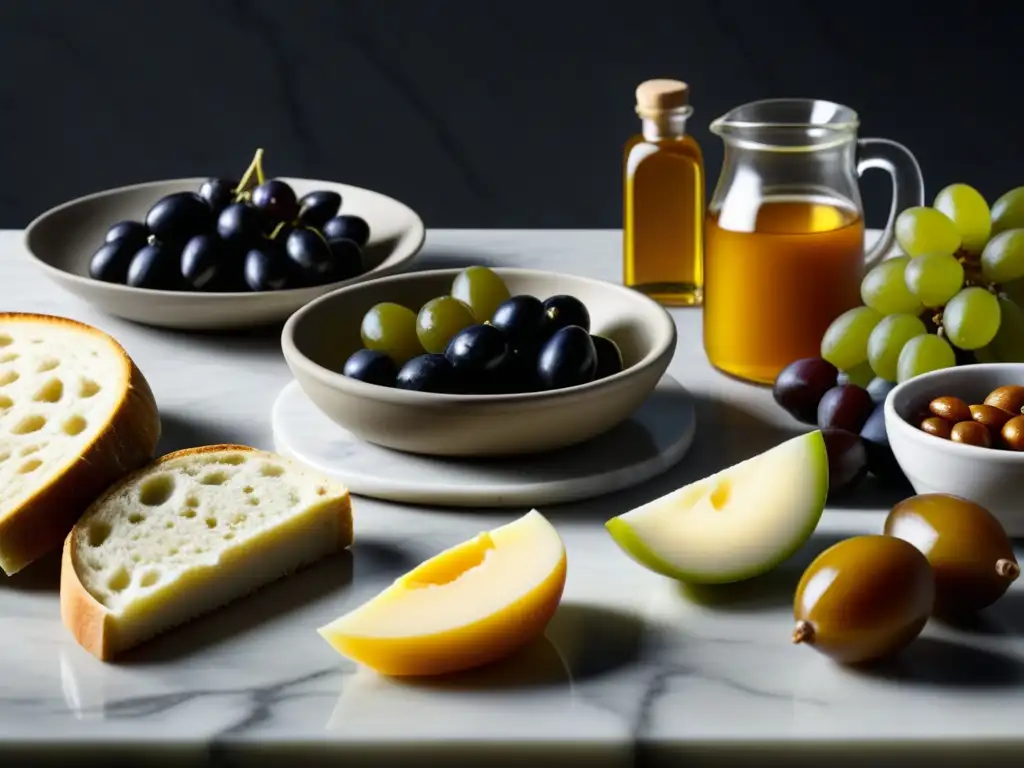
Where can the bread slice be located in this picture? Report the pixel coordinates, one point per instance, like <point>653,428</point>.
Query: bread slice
<point>191,532</point>
<point>76,414</point>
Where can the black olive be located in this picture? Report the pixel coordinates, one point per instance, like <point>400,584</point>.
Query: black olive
<point>311,253</point>
<point>276,200</point>
<point>204,262</point>
<point>111,260</point>
<point>158,266</point>
<point>428,373</point>
<point>348,259</point>
<point>218,193</point>
<point>563,311</point>
<point>371,366</point>
<point>609,357</point>
<point>348,228</point>
<point>175,218</point>
<point>267,268</point>
<point>522,320</point>
<point>317,207</point>
<point>567,359</point>
<point>240,225</point>
<point>477,351</point>
<point>517,373</point>
<point>132,232</point>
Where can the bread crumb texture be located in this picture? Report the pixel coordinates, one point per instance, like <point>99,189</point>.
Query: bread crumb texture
<point>187,512</point>
<point>59,388</point>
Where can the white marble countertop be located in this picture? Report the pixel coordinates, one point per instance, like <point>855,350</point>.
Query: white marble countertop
<point>635,672</point>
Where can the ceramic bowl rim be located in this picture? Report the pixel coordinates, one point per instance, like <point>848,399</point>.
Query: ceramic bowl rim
<point>895,419</point>
<point>665,342</point>
<point>417,229</point>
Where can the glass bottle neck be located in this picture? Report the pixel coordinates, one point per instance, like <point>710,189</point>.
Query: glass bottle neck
<point>665,126</point>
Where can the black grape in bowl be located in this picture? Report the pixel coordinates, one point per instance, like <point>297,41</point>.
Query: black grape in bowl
<point>218,227</point>
<point>177,217</point>
<point>268,268</point>
<point>157,265</point>
<point>218,193</point>
<point>204,262</point>
<point>132,234</point>
<point>240,225</point>
<point>347,227</point>
<point>110,263</point>
<point>348,259</point>
<point>276,200</point>
<point>312,255</point>
<point>317,208</point>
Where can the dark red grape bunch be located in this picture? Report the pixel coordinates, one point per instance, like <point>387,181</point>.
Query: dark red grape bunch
<point>850,417</point>
<point>252,235</point>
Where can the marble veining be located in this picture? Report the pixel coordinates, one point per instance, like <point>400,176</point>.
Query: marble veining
<point>634,669</point>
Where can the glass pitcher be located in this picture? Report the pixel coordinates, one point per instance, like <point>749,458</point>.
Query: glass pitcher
<point>784,239</point>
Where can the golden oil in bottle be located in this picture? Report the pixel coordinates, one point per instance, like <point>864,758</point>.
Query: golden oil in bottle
<point>663,221</point>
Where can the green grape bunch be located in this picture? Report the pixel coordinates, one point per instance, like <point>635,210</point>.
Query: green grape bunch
<point>955,294</point>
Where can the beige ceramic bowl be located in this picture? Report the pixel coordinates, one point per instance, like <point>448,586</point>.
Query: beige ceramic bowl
<point>991,477</point>
<point>319,338</point>
<point>63,239</point>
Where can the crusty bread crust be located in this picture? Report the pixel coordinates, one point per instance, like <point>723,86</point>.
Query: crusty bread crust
<point>89,621</point>
<point>127,442</point>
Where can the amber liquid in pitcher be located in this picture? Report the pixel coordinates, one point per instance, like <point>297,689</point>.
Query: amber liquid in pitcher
<point>771,292</point>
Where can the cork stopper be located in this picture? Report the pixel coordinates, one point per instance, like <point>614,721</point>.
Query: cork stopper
<point>661,95</point>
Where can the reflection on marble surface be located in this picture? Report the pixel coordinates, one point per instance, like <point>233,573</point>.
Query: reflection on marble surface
<point>529,689</point>
<point>650,441</point>
<point>634,670</point>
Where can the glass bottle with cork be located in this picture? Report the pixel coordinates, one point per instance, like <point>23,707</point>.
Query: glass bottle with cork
<point>663,221</point>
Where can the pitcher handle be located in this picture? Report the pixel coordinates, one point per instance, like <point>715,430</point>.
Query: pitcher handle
<point>907,186</point>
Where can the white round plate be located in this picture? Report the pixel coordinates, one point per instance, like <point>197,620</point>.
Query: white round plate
<point>654,438</point>
<point>62,240</point>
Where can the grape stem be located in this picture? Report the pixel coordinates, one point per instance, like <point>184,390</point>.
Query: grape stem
<point>803,632</point>
<point>1008,569</point>
<point>251,179</point>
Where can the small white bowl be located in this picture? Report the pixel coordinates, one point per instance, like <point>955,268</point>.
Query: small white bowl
<point>62,240</point>
<point>991,477</point>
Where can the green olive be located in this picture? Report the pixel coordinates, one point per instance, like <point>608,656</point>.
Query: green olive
<point>863,599</point>
<point>969,551</point>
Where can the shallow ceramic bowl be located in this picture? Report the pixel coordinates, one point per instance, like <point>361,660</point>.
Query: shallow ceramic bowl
<point>319,338</point>
<point>991,477</point>
<point>63,239</point>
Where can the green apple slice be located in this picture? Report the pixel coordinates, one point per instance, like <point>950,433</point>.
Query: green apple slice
<point>736,524</point>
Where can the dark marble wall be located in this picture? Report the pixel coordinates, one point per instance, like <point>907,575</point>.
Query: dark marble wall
<point>477,113</point>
